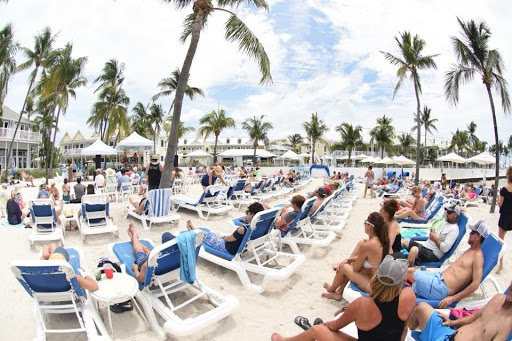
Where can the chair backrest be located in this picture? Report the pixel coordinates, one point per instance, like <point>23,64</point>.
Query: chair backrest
<point>261,225</point>
<point>95,208</point>
<point>42,212</point>
<point>158,202</point>
<point>424,192</point>
<point>302,215</point>
<point>491,248</point>
<point>389,174</point>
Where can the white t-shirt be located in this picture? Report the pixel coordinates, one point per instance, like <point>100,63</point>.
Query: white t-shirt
<point>448,234</point>
<point>99,180</point>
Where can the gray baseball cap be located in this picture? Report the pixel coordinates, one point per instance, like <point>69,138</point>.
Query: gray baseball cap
<point>394,269</point>
<point>452,207</point>
<point>480,227</point>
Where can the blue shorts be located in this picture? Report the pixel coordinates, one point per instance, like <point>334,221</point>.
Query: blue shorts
<point>140,258</point>
<point>430,285</point>
<point>435,331</point>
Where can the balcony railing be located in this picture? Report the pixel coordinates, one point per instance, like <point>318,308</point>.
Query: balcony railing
<point>21,135</point>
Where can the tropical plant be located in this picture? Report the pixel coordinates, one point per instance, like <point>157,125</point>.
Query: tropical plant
<point>257,129</point>
<point>409,63</point>
<point>475,58</point>
<point>460,141</point>
<point>43,45</point>
<point>111,76</point>
<point>479,146</point>
<point>425,121</point>
<point>168,87</point>
<point>214,123</point>
<point>295,140</point>
<point>140,121</point>
<point>156,118</point>
<point>432,153</point>
<point>497,151</point>
<point>383,134</point>
<point>236,31</point>
<point>315,130</point>
<point>8,50</point>
<point>406,143</point>
<point>182,129</point>
<point>350,137</point>
<point>471,134</point>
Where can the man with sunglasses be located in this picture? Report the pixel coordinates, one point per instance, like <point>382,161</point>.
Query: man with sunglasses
<point>438,243</point>
<point>460,279</point>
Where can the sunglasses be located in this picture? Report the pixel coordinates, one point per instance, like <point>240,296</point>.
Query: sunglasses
<point>367,222</point>
<point>247,212</point>
<point>473,232</point>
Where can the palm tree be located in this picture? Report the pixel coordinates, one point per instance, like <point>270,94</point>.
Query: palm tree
<point>236,31</point>
<point>43,44</point>
<point>295,140</point>
<point>406,143</point>
<point>156,117</point>
<point>460,141</point>
<point>140,120</point>
<point>315,130</point>
<point>182,129</point>
<point>425,121</point>
<point>111,76</point>
<point>479,146</point>
<point>114,108</point>
<point>471,134</point>
<point>168,86</point>
<point>213,123</point>
<point>8,49</point>
<point>410,62</point>
<point>383,134</point>
<point>257,130</point>
<point>475,57</point>
<point>350,137</point>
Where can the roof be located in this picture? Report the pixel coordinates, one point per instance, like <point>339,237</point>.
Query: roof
<point>9,114</point>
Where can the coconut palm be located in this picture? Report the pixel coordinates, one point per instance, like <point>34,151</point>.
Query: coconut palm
<point>140,121</point>
<point>479,146</point>
<point>409,63</point>
<point>350,137</point>
<point>236,31</point>
<point>257,130</point>
<point>111,76</point>
<point>168,87</point>
<point>43,45</point>
<point>182,129</point>
<point>214,123</point>
<point>475,58</point>
<point>114,106</point>
<point>156,118</point>
<point>471,134</point>
<point>315,130</point>
<point>406,143</point>
<point>460,141</point>
<point>426,121</point>
<point>383,139</point>
<point>8,50</point>
<point>295,140</point>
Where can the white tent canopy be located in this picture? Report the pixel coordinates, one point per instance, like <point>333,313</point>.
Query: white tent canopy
<point>371,159</point>
<point>289,155</point>
<point>135,140</point>
<point>198,153</point>
<point>304,155</point>
<point>246,152</point>
<point>98,148</point>
<point>452,157</point>
<point>483,159</point>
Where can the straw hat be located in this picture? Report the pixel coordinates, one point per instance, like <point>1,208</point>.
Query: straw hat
<point>110,172</point>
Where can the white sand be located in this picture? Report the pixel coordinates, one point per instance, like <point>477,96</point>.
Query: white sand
<point>258,315</point>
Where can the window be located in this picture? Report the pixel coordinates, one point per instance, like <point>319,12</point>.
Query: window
<point>206,149</point>
<point>227,141</point>
<point>161,158</point>
<point>81,145</point>
<point>184,141</point>
<point>239,141</point>
<point>325,149</point>
<point>111,143</point>
<point>161,143</point>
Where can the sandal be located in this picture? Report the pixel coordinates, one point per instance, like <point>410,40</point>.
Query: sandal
<point>302,322</point>
<point>317,321</point>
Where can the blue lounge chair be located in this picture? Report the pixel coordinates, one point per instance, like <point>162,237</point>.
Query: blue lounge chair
<point>162,279</point>
<point>95,218</point>
<point>212,201</point>
<point>431,212</point>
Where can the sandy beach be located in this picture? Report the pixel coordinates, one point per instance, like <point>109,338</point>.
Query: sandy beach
<point>258,315</point>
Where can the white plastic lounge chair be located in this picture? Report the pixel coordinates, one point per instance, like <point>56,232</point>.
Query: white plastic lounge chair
<point>324,221</point>
<point>125,191</point>
<point>95,216</point>
<point>157,208</point>
<point>238,195</point>
<point>53,285</point>
<point>433,212</point>
<point>44,218</point>
<point>111,187</point>
<point>163,279</point>
<point>257,254</point>
<point>211,201</point>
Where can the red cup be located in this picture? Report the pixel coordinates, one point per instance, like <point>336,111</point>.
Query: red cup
<point>109,271</point>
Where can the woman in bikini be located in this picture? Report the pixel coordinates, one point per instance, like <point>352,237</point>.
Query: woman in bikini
<point>417,209</point>
<point>364,261</point>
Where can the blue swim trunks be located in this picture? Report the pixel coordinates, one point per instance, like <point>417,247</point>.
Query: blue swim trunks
<point>140,258</point>
<point>430,285</point>
<point>435,331</point>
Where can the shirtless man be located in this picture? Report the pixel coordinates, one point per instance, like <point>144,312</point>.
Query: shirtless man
<point>370,177</point>
<point>460,279</point>
<point>492,322</point>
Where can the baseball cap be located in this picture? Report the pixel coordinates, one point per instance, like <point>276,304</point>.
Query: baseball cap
<point>321,192</point>
<point>327,190</point>
<point>394,269</point>
<point>451,207</point>
<point>60,253</point>
<point>480,227</point>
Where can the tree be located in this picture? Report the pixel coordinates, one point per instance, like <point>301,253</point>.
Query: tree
<point>182,129</point>
<point>409,63</point>
<point>471,135</point>
<point>257,130</point>
<point>315,130</point>
<point>383,134</point>
<point>425,121</point>
<point>295,140</point>
<point>43,45</point>
<point>140,121</point>
<point>111,76</point>
<point>8,50</point>
<point>236,31</point>
<point>168,87</point>
<point>474,57</point>
<point>156,118</point>
<point>460,141</point>
<point>479,146</point>
<point>214,123</point>
<point>406,142</point>
<point>350,137</point>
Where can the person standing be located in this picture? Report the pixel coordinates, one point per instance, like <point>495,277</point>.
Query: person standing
<point>505,204</point>
<point>70,172</point>
<point>154,173</point>
<point>370,177</point>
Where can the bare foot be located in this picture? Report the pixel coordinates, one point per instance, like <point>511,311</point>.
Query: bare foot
<point>332,296</point>
<point>327,286</point>
<point>276,337</point>
<point>131,230</point>
<point>190,227</point>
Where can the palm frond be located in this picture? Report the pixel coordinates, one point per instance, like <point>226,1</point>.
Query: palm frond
<point>188,25</point>
<point>236,3</point>
<point>180,3</point>
<point>453,78</point>
<point>501,85</point>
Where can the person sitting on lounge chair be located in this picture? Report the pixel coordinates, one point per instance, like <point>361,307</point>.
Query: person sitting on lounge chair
<point>364,261</point>
<point>460,279</point>
<point>438,243</point>
<point>417,210</point>
<point>494,319</point>
<point>284,222</point>
<point>382,316</point>
<point>15,214</point>
<point>321,194</point>
<point>27,177</point>
<point>230,243</point>
<point>52,252</point>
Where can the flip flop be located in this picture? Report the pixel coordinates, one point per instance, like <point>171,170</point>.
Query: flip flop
<point>302,322</point>
<point>317,321</point>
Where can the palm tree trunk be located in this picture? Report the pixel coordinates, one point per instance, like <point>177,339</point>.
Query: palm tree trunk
<point>255,145</point>
<point>497,167</point>
<point>215,148</point>
<point>313,152</point>
<point>418,132</point>
<point>7,161</point>
<point>425,137</point>
<point>52,147</point>
<point>349,155</point>
<point>172,144</point>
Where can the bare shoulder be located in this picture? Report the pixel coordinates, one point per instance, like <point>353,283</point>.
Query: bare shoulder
<point>408,295</point>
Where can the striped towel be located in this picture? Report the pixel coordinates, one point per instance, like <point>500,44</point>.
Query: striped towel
<point>159,202</point>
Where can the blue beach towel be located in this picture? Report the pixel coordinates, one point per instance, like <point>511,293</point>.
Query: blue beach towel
<point>186,243</point>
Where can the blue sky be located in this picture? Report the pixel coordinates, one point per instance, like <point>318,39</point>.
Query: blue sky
<point>324,58</point>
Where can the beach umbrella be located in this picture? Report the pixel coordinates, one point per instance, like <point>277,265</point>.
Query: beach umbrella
<point>386,160</point>
<point>401,161</point>
<point>483,159</point>
<point>359,157</point>
<point>371,159</point>
<point>289,155</point>
<point>452,157</point>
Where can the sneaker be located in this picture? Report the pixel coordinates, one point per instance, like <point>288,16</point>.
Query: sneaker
<point>121,307</point>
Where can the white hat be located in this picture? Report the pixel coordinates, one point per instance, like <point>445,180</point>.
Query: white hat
<point>394,269</point>
<point>480,227</point>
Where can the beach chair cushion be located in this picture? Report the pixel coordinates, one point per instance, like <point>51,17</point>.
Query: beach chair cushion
<point>95,208</point>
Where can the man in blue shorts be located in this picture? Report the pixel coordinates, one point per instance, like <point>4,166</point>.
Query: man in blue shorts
<point>460,279</point>
<point>492,322</point>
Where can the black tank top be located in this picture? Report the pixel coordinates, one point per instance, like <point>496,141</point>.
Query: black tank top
<point>390,328</point>
<point>154,174</point>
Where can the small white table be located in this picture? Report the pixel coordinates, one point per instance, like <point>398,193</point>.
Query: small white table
<point>120,288</point>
